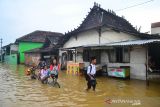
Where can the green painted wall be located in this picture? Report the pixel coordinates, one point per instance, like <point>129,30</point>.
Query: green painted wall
<point>10,59</point>
<point>25,46</point>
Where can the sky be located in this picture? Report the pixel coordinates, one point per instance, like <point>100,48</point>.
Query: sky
<point>20,17</point>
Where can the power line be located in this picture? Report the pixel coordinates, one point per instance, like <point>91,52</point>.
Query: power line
<point>134,5</point>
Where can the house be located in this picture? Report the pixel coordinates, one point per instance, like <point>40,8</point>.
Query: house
<point>155,28</point>
<point>115,43</point>
<point>10,53</point>
<point>33,40</point>
<point>47,51</point>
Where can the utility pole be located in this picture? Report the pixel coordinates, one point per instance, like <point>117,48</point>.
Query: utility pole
<point>1,49</point>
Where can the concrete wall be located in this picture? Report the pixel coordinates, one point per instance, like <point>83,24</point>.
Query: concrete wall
<point>14,47</point>
<point>104,57</point>
<point>84,38</point>
<point>112,36</point>
<point>32,59</point>
<point>92,37</point>
<point>25,46</point>
<point>10,59</point>
<point>155,30</point>
<point>137,63</point>
<point>137,54</point>
<point>79,55</point>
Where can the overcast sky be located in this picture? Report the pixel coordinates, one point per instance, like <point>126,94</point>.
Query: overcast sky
<point>20,17</point>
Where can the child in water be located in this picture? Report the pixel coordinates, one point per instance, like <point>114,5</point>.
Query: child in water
<point>31,72</point>
<point>44,75</point>
<point>54,68</point>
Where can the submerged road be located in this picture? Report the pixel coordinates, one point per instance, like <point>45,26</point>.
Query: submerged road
<point>17,90</point>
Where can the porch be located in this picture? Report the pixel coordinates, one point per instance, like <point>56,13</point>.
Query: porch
<point>118,56</point>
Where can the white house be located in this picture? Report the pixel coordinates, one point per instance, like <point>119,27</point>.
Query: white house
<point>155,28</point>
<point>113,40</point>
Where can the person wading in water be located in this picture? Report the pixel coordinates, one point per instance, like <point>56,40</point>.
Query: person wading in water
<point>91,72</point>
<point>54,68</point>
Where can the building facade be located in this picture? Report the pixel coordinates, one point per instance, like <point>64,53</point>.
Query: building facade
<point>48,51</point>
<point>10,53</point>
<point>155,28</point>
<point>108,37</point>
<point>31,41</point>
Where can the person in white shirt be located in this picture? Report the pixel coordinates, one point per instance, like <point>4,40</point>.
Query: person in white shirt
<point>91,72</point>
<point>44,75</point>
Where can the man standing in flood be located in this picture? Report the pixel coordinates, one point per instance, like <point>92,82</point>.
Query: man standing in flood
<point>91,72</point>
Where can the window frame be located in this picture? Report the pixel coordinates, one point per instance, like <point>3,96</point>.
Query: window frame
<point>114,56</point>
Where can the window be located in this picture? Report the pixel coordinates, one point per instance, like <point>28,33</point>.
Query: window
<point>119,55</point>
<point>112,55</point>
<point>7,50</point>
<point>126,55</point>
<point>70,56</point>
<point>87,54</point>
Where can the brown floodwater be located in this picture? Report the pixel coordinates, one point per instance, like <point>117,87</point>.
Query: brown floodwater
<point>17,90</point>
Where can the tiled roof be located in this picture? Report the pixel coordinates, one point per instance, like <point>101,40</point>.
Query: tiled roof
<point>98,17</point>
<point>50,45</point>
<point>43,50</point>
<point>38,36</point>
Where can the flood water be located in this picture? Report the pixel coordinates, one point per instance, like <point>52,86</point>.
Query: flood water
<point>17,90</point>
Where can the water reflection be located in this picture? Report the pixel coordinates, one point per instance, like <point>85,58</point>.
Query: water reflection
<point>16,89</point>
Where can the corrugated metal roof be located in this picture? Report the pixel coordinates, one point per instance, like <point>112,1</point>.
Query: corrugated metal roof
<point>122,43</point>
<point>133,42</point>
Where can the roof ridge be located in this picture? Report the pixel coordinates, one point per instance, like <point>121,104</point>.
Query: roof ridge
<point>96,9</point>
<point>41,36</point>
